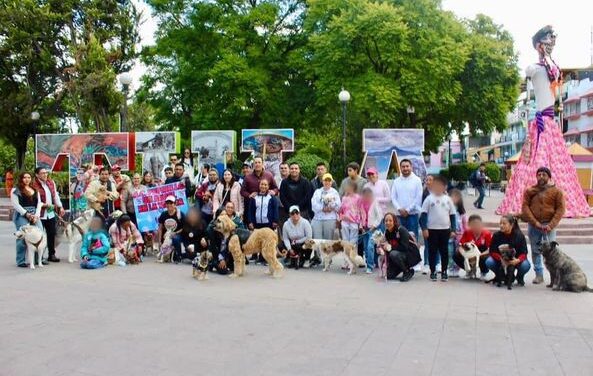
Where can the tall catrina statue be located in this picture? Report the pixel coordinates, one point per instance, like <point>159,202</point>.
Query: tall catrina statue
<point>544,146</point>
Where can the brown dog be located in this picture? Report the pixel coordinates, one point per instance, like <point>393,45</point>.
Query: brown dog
<point>243,243</point>
<point>330,248</point>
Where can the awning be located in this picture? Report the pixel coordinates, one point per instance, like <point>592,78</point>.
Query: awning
<point>571,132</point>
<point>572,100</point>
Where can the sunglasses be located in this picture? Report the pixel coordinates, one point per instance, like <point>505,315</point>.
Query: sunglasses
<point>294,212</point>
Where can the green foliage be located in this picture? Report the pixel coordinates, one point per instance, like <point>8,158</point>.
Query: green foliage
<point>493,171</point>
<point>8,157</point>
<point>459,172</point>
<point>445,173</point>
<point>62,182</point>
<point>307,162</point>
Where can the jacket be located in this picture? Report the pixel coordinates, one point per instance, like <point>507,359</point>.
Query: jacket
<point>543,205</point>
<point>263,209</point>
<point>127,198</point>
<point>90,240</point>
<point>55,197</point>
<point>235,197</point>
<point>251,183</point>
<point>515,240</point>
<point>296,192</point>
<point>322,198</point>
<point>120,237</point>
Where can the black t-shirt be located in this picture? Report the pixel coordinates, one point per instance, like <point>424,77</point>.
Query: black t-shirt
<point>177,216</point>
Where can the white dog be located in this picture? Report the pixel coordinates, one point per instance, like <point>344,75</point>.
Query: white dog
<point>383,249</point>
<point>329,248</point>
<point>471,259</point>
<point>36,242</point>
<point>72,232</point>
<point>166,249</point>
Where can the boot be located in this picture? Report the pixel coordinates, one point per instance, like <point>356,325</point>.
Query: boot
<point>538,279</point>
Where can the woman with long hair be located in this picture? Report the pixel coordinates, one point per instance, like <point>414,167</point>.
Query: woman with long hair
<point>27,209</point>
<point>148,180</point>
<point>228,190</point>
<point>125,236</point>
<point>127,206</point>
<point>188,164</point>
<point>511,238</point>
<point>404,252</point>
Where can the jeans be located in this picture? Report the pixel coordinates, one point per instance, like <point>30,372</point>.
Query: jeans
<point>482,194</point>
<point>350,232</point>
<point>410,223</point>
<point>21,246</point>
<point>495,266</point>
<point>91,264</point>
<point>369,249</point>
<point>535,236</point>
<point>452,251</point>
<point>177,240</point>
<point>438,241</point>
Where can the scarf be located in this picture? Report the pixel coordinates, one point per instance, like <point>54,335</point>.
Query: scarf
<point>52,188</point>
<point>539,121</point>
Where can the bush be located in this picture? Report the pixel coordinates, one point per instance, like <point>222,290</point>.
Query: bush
<point>445,173</point>
<point>308,163</point>
<point>493,172</point>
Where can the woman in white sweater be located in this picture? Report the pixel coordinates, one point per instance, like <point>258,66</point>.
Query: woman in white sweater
<point>228,190</point>
<point>325,204</point>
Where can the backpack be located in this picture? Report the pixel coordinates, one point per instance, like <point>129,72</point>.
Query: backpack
<point>473,178</point>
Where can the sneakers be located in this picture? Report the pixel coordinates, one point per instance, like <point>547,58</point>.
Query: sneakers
<point>520,281</point>
<point>369,270</point>
<point>454,273</point>
<point>418,268</point>
<point>425,269</point>
<point>433,276</point>
<point>438,267</point>
<point>444,277</point>
<point>483,276</point>
<point>538,279</point>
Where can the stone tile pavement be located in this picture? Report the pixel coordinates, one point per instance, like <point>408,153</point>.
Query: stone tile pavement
<point>155,319</point>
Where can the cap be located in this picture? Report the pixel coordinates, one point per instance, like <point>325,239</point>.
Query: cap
<point>246,164</point>
<point>371,170</point>
<point>116,168</point>
<point>294,208</point>
<point>171,198</point>
<point>327,177</point>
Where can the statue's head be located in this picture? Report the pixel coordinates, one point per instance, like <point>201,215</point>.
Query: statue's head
<point>544,40</point>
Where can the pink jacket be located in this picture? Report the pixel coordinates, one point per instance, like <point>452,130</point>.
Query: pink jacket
<point>352,210</point>
<point>235,198</point>
<point>120,237</point>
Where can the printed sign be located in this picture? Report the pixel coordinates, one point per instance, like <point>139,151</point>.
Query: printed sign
<point>150,204</point>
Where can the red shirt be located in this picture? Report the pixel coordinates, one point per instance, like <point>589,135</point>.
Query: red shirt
<point>483,241</point>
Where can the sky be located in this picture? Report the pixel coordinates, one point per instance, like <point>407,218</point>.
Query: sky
<point>572,19</point>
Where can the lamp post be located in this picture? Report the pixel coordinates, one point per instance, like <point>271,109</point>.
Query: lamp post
<point>411,114</point>
<point>125,79</point>
<point>344,97</point>
<point>449,151</point>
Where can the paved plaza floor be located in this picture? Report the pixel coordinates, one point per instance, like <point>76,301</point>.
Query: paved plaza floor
<point>154,319</point>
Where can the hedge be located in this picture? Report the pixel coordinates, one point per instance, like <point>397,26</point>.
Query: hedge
<point>462,171</point>
<point>307,163</point>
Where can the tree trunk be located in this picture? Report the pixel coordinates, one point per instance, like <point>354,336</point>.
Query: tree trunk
<point>21,148</point>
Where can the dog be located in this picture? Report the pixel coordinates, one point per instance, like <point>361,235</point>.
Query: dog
<point>166,249</point>
<point>471,259</point>
<point>71,233</point>
<point>200,265</point>
<point>36,242</point>
<point>102,196</point>
<point>565,273</point>
<point>243,242</point>
<point>508,269</point>
<point>132,253</point>
<point>329,248</point>
<point>149,246</point>
<point>383,249</point>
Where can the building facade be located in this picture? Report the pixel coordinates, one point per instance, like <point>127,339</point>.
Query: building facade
<point>578,112</point>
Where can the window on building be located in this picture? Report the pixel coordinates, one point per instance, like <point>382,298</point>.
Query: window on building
<point>590,140</point>
<point>590,103</point>
<point>577,107</point>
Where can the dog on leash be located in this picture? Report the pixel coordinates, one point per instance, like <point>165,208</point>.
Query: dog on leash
<point>166,250</point>
<point>507,255</point>
<point>71,233</point>
<point>383,249</point>
<point>565,273</point>
<point>330,248</point>
<point>36,242</point>
<point>200,265</point>
<point>471,259</point>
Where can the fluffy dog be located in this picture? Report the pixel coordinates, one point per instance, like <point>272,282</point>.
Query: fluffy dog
<point>329,248</point>
<point>471,259</point>
<point>200,265</point>
<point>565,273</point>
<point>71,233</point>
<point>243,243</point>
<point>383,249</point>
<point>102,196</point>
<point>507,255</point>
<point>36,242</point>
<point>167,249</point>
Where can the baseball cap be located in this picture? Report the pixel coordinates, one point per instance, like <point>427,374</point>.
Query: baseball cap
<point>116,168</point>
<point>372,170</point>
<point>294,208</point>
<point>327,177</point>
<point>171,198</point>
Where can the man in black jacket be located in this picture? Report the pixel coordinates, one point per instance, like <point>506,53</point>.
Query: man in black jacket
<point>180,176</point>
<point>296,190</point>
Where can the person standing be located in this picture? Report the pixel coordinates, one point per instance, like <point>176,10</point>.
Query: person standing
<point>173,160</point>
<point>9,181</point>
<point>50,206</point>
<point>406,196</point>
<point>245,170</point>
<point>27,208</point>
<point>93,196</point>
<point>263,209</point>
<point>479,180</point>
<point>353,170</point>
<point>543,207</point>
<point>228,190</point>
<point>127,206</point>
<point>250,186</point>
<point>317,181</point>
<point>284,173</point>
<point>122,182</point>
<point>205,195</point>
<point>380,188</point>
<point>296,190</point>
<point>179,176</point>
<point>325,205</point>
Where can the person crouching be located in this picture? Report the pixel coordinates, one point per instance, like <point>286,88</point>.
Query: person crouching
<point>294,234</point>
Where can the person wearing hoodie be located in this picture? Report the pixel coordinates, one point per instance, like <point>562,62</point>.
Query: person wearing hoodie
<point>95,246</point>
<point>296,190</point>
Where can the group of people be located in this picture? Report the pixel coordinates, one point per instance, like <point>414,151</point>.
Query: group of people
<point>299,209</point>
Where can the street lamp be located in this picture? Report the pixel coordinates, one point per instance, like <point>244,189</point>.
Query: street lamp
<point>344,98</point>
<point>411,113</point>
<point>125,79</point>
<point>35,116</point>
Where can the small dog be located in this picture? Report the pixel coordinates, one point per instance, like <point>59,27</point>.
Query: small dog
<point>565,273</point>
<point>36,242</point>
<point>200,265</point>
<point>132,254</point>
<point>167,249</point>
<point>71,233</point>
<point>329,248</point>
<point>507,255</point>
<point>149,246</point>
<point>471,259</point>
<point>383,249</point>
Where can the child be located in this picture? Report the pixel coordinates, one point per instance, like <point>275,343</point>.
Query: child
<point>481,238</point>
<point>437,220</point>
<point>95,246</point>
<point>263,209</point>
<point>461,226</point>
<point>373,216</point>
<point>351,214</point>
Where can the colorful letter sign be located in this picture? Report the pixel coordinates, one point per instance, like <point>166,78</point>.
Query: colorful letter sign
<point>269,144</point>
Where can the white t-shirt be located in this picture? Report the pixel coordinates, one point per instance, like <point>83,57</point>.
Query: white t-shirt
<point>438,209</point>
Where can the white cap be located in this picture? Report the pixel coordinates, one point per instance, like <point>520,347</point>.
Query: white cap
<point>171,198</point>
<point>294,208</point>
